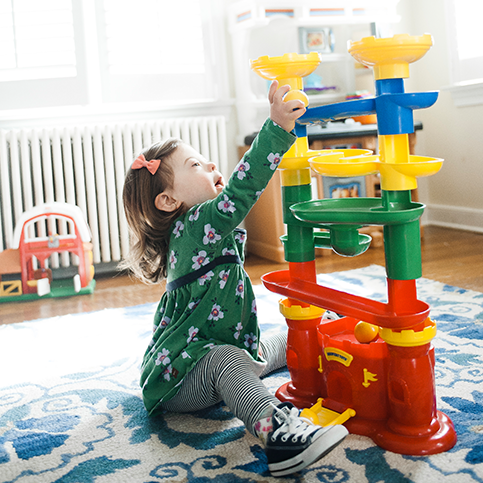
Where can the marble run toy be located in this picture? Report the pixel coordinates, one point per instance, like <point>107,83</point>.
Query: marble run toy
<point>36,238</point>
<point>373,368</point>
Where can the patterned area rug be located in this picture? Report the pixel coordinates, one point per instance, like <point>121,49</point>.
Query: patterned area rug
<point>71,411</point>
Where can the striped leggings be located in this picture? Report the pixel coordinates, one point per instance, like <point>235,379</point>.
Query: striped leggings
<point>228,374</point>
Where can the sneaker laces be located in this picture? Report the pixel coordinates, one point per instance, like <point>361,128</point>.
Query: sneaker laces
<point>292,425</point>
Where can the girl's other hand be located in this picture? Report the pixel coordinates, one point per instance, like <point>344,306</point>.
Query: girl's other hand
<point>284,113</point>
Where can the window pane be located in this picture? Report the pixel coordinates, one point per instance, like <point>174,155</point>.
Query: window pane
<point>37,39</point>
<point>145,36</point>
<point>468,15</point>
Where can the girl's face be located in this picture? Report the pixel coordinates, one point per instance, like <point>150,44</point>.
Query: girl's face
<point>195,179</point>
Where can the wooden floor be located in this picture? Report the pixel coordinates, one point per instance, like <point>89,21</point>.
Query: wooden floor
<point>450,256</point>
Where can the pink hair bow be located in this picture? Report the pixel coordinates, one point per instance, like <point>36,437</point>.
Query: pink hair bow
<point>140,162</point>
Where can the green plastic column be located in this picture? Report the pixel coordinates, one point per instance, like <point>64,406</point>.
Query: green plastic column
<point>402,242</point>
<point>299,243</point>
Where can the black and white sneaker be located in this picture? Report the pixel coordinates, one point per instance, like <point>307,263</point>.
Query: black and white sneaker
<point>329,315</point>
<point>295,442</point>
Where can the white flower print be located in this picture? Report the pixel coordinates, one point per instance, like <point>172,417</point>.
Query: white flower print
<point>192,332</point>
<point>251,341</point>
<point>242,168</point>
<point>200,260</point>
<point>227,251</point>
<point>240,289</point>
<point>179,227</point>
<point>163,358</point>
<point>172,259</point>
<point>194,216</point>
<point>226,205</point>
<point>274,160</point>
<point>194,304</point>
<point>168,370</point>
<point>206,277</point>
<point>238,329</point>
<point>209,346</point>
<point>185,355</point>
<point>240,237</point>
<point>259,193</point>
<point>210,235</point>
<point>254,307</point>
<point>165,321</point>
<point>216,313</point>
<point>224,278</point>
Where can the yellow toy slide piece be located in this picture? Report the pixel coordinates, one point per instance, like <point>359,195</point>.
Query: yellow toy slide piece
<point>326,417</point>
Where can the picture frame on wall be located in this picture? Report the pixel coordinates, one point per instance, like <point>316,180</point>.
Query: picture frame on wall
<point>344,187</point>
<point>316,39</point>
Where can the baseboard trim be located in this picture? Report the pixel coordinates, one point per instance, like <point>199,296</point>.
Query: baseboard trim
<point>457,217</point>
<point>266,250</point>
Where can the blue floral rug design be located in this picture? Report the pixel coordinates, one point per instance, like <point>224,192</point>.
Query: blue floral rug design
<point>71,409</point>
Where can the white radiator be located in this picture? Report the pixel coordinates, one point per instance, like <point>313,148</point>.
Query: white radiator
<point>85,165</point>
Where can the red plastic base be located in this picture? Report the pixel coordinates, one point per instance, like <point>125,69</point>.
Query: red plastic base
<point>390,386</point>
<point>442,436</point>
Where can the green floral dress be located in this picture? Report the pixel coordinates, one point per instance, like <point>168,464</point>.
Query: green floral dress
<point>209,299</point>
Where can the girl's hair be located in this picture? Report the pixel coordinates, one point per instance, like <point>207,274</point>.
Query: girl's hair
<point>148,226</point>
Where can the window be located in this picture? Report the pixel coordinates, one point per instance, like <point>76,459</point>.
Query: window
<point>155,50</point>
<point>79,52</point>
<point>154,36</point>
<point>464,21</point>
<point>36,39</point>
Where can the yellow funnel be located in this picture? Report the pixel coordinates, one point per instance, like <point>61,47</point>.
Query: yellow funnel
<point>390,57</point>
<point>287,69</point>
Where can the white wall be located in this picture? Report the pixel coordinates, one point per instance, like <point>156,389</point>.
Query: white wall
<point>454,196</point>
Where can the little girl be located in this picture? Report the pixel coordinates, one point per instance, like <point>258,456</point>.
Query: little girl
<point>206,342</point>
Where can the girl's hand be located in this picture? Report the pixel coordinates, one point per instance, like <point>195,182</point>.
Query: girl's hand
<point>284,113</point>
